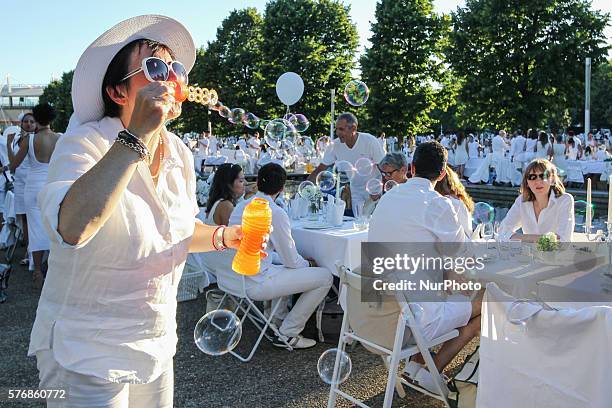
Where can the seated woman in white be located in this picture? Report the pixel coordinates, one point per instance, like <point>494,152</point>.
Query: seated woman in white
<point>451,187</point>
<point>228,186</point>
<point>542,207</point>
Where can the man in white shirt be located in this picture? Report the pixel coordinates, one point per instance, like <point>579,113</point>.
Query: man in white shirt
<point>517,149</point>
<point>352,146</point>
<point>415,212</point>
<point>284,271</point>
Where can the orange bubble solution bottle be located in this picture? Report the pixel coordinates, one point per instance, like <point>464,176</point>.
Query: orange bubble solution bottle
<point>256,222</point>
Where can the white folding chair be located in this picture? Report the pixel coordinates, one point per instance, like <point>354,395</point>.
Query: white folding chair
<point>234,286</point>
<point>381,328</point>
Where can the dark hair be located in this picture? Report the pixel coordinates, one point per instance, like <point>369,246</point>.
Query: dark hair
<point>221,188</point>
<point>429,160</point>
<point>571,142</point>
<point>43,114</point>
<point>533,134</point>
<point>570,133</point>
<point>544,138</point>
<point>271,178</point>
<point>118,69</point>
<point>460,137</point>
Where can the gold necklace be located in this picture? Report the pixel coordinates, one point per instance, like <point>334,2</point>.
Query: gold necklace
<point>160,148</point>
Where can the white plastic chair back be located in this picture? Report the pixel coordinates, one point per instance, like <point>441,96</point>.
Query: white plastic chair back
<point>374,321</point>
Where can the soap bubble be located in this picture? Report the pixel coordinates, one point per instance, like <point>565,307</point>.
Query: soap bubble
<point>263,123</point>
<point>356,93</point>
<point>225,112</point>
<point>237,116</point>
<point>307,190</point>
<point>323,143</point>
<point>364,167</point>
<point>218,332</point>
<point>326,180</point>
<point>389,185</point>
<point>291,132</point>
<point>484,213</point>
<point>251,121</point>
<point>374,187</point>
<point>327,362</point>
<point>580,212</point>
<point>275,132</point>
<point>300,122</point>
<point>345,170</point>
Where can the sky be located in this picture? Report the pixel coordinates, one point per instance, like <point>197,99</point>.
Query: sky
<point>43,39</point>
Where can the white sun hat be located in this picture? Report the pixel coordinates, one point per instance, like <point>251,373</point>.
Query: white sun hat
<point>91,68</point>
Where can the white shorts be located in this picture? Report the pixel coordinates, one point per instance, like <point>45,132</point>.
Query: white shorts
<point>445,316</point>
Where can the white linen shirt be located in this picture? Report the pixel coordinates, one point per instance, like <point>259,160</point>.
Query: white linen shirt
<point>108,306</point>
<point>281,246</point>
<point>366,146</point>
<point>415,212</point>
<point>557,217</point>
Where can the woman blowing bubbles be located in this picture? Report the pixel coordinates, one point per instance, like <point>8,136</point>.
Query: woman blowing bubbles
<point>120,209</point>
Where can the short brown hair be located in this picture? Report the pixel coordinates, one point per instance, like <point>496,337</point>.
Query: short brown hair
<point>545,167</point>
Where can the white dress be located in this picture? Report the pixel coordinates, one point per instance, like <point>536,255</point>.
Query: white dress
<point>473,150</point>
<point>530,148</point>
<point>541,151</point>
<point>35,181</point>
<point>19,181</point>
<point>461,154</point>
<point>559,154</point>
<point>210,217</point>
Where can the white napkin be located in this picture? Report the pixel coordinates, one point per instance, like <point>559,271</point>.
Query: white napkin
<point>338,212</point>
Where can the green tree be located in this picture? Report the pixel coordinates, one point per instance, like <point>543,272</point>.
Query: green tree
<point>315,39</point>
<point>601,93</point>
<point>230,65</point>
<point>521,62</point>
<point>404,68</point>
<point>59,94</point>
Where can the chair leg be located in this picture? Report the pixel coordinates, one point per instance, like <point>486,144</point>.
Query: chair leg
<point>331,401</point>
<point>398,382</point>
<point>262,332</point>
<point>319,319</point>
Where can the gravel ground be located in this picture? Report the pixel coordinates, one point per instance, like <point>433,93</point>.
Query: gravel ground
<point>273,378</point>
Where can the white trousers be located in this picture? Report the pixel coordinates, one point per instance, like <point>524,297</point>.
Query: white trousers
<point>312,283</point>
<point>85,391</point>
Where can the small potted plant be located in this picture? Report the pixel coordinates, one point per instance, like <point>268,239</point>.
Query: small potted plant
<point>546,246</point>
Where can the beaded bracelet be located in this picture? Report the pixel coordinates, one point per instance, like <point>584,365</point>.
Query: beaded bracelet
<point>218,240</point>
<point>133,143</point>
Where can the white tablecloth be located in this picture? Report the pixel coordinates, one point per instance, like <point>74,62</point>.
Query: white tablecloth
<point>561,359</point>
<point>576,290</point>
<point>519,276</point>
<point>474,164</point>
<point>330,246</point>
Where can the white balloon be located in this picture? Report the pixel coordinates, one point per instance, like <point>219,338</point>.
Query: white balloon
<point>289,88</point>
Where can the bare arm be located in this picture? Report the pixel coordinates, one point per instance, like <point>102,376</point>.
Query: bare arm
<point>313,176</point>
<point>15,160</point>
